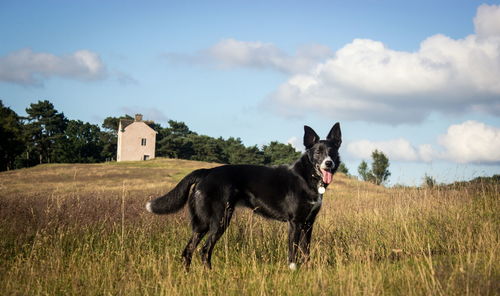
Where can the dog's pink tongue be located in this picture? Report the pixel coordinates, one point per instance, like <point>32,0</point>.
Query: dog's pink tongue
<point>327,177</point>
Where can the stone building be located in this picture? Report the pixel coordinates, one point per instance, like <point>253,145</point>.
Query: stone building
<point>136,140</point>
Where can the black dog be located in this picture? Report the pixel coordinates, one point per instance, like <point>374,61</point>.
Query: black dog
<point>291,194</point>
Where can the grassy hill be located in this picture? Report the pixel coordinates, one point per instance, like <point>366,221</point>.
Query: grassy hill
<point>82,230</point>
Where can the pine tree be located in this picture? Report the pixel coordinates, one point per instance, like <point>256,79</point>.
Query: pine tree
<point>11,144</point>
<point>45,128</point>
<point>279,154</point>
<point>343,169</point>
<point>82,143</point>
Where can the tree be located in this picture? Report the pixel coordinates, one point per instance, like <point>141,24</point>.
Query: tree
<point>343,169</point>
<point>278,153</point>
<point>205,148</point>
<point>234,150</point>
<point>45,128</point>
<point>380,167</point>
<point>174,141</point>
<point>364,173</point>
<point>379,172</point>
<point>179,128</point>
<point>237,153</point>
<point>82,143</point>
<point>429,181</point>
<point>252,155</point>
<point>11,144</point>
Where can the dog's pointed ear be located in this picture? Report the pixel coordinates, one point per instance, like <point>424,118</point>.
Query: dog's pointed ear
<point>310,137</point>
<point>335,134</point>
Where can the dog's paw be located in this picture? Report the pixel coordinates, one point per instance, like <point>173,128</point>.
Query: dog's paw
<point>148,207</point>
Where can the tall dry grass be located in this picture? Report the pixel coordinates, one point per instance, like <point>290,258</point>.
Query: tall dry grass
<point>82,230</point>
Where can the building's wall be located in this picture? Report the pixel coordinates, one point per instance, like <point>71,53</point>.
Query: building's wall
<point>129,142</point>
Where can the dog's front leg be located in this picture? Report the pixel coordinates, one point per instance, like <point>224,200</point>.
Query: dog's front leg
<point>305,240</point>
<point>294,230</point>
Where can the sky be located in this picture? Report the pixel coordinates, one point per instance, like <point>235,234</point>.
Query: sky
<point>418,80</point>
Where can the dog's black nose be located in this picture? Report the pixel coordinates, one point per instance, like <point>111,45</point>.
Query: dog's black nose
<point>329,163</point>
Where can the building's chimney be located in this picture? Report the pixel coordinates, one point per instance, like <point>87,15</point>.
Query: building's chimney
<point>138,117</point>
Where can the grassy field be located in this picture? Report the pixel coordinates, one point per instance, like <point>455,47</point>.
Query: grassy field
<point>82,230</point>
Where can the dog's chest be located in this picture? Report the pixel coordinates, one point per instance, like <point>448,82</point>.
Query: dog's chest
<point>315,206</point>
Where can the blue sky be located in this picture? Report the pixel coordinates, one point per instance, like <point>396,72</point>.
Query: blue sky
<point>419,80</point>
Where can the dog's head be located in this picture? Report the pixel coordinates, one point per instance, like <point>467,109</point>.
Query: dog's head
<point>323,154</point>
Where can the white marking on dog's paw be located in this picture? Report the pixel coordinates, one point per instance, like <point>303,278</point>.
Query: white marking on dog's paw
<point>292,266</point>
<point>148,207</point>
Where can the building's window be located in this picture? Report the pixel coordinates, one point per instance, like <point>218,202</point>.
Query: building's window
<point>146,157</point>
<point>143,142</point>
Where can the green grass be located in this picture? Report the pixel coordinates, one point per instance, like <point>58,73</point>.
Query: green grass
<point>82,230</point>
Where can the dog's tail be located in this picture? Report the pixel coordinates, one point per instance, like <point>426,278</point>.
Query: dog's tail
<point>175,200</point>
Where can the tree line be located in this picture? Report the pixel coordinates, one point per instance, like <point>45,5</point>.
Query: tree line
<point>45,135</point>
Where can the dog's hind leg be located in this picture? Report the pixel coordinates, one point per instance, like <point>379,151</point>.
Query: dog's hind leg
<point>199,225</point>
<point>217,229</point>
<point>187,254</point>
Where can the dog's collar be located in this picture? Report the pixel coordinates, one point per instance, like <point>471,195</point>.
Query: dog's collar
<point>320,188</point>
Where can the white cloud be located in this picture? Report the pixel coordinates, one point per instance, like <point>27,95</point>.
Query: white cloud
<point>231,53</point>
<point>234,53</point>
<point>471,141</point>
<point>427,153</point>
<point>487,21</point>
<point>31,68</point>
<point>296,143</point>
<point>397,149</point>
<point>468,142</point>
<point>366,80</point>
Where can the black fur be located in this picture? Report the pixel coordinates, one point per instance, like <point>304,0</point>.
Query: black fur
<point>175,200</point>
<point>288,194</point>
